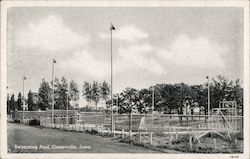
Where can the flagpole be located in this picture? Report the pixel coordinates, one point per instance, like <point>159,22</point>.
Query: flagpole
<point>67,113</point>
<point>117,103</point>
<point>52,107</point>
<point>208,96</point>
<point>23,98</point>
<point>112,103</point>
<point>153,94</point>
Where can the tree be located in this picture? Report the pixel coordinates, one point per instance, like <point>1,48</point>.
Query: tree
<point>168,96</point>
<point>145,97</point>
<point>12,103</point>
<point>237,95</point>
<point>8,104</point>
<point>19,101</point>
<point>61,89</point>
<point>31,105</point>
<point>95,95</point>
<point>104,91</point>
<point>129,101</point>
<point>74,92</point>
<point>163,96</point>
<point>44,93</point>
<point>201,97</point>
<point>221,89</point>
<point>86,92</point>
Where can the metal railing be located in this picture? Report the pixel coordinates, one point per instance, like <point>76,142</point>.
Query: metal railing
<point>152,122</point>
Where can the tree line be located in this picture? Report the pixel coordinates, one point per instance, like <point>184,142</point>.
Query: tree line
<point>167,97</point>
<point>65,94</point>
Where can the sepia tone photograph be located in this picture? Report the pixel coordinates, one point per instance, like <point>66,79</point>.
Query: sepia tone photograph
<point>125,80</point>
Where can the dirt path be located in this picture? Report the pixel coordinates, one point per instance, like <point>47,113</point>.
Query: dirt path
<point>29,139</point>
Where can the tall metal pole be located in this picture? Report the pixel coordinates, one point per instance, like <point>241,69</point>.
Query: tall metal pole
<point>208,96</point>
<point>117,102</point>
<point>52,115</point>
<point>153,103</point>
<point>112,103</point>
<point>23,97</point>
<point>67,108</point>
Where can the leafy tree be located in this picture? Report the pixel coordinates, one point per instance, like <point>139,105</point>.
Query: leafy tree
<point>44,93</point>
<point>104,91</point>
<point>95,93</point>
<point>220,90</point>
<point>32,106</point>
<point>237,95</point>
<point>12,103</point>
<point>201,96</point>
<point>19,101</point>
<point>168,97</point>
<point>8,104</point>
<point>74,92</point>
<point>61,89</point>
<point>87,92</point>
<point>145,96</point>
<point>160,101</point>
<point>129,100</point>
<point>30,101</point>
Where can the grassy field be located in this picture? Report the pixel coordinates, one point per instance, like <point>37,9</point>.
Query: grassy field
<point>210,143</point>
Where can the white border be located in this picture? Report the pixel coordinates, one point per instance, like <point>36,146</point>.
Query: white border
<point>7,4</point>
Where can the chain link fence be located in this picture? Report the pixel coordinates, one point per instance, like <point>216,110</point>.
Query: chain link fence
<point>161,130</point>
<point>151,122</point>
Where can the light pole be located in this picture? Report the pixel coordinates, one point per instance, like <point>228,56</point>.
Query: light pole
<point>208,96</point>
<point>24,78</point>
<point>67,108</point>
<point>153,103</point>
<point>111,56</point>
<point>52,115</point>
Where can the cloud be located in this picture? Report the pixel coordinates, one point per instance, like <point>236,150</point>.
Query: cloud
<point>126,33</point>
<point>49,34</point>
<point>128,59</point>
<point>86,64</point>
<point>138,56</point>
<point>199,52</point>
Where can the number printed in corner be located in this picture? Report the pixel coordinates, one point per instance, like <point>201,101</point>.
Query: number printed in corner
<point>234,156</point>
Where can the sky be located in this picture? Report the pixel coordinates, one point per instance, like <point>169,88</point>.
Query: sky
<point>150,45</point>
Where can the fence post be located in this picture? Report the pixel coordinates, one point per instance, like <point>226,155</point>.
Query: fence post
<point>190,143</point>
<point>151,138</point>
<point>215,143</point>
<point>228,133</point>
<point>108,131</point>
<point>122,133</point>
<point>140,135</point>
<point>95,121</point>
<point>130,125</point>
<point>176,137</point>
<point>114,129</point>
<point>171,139</point>
<point>81,127</point>
<point>130,122</point>
<point>41,121</point>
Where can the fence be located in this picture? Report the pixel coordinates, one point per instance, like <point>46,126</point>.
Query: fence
<point>161,130</point>
<point>151,123</point>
